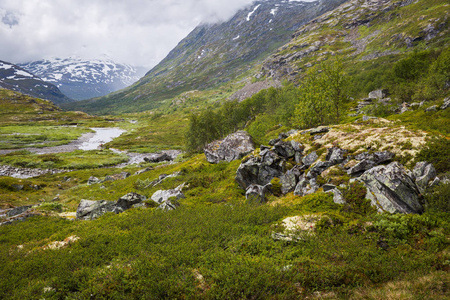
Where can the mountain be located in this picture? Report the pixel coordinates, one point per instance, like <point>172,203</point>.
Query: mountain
<point>15,78</point>
<point>366,34</point>
<point>83,79</point>
<point>213,54</point>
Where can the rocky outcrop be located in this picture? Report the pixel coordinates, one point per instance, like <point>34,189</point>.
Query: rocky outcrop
<point>391,189</point>
<point>233,147</point>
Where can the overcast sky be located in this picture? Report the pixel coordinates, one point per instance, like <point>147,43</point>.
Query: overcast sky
<point>138,32</point>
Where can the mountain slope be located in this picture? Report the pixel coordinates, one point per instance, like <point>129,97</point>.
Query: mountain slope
<point>365,33</point>
<point>83,79</point>
<point>213,54</point>
<point>13,77</point>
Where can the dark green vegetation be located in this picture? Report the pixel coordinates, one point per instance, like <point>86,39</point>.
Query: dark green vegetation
<point>221,251</point>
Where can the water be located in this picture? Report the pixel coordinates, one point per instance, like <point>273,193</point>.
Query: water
<point>101,136</point>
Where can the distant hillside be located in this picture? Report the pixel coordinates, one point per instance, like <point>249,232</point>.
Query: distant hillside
<point>213,54</point>
<point>15,78</point>
<point>84,79</point>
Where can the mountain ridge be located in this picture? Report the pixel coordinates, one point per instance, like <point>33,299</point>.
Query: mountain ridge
<point>83,79</point>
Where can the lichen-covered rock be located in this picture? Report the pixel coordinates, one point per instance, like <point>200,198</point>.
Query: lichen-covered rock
<point>90,210</point>
<point>378,94</point>
<point>18,210</point>
<point>127,201</point>
<point>318,168</point>
<point>93,180</point>
<point>423,173</point>
<point>369,160</point>
<point>233,147</point>
<point>169,205</point>
<point>164,195</point>
<point>391,189</point>
<point>260,170</point>
<point>257,193</point>
<point>284,149</point>
<point>310,158</point>
<point>290,179</point>
<point>338,198</point>
<point>335,155</point>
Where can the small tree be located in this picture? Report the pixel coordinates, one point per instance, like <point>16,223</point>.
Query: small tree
<point>322,93</point>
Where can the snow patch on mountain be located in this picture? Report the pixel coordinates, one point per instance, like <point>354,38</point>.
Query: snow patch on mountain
<point>83,79</point>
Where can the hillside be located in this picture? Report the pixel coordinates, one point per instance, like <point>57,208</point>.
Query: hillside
<point>15,78</point>
<point>213,54</point>
<point>84,79</point>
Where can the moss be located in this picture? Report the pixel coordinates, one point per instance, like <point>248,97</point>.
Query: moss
<point>276,186</point>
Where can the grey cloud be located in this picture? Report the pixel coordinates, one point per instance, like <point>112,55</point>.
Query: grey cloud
<point>139,32</point>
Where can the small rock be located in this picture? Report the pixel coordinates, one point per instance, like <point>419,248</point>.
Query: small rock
<point>319,130</point>
<point>432,108</point>
<point>93,180</point>
<point>335,155</point>
<point>18,210</point>
<point>446,103</point>
<point>338,198</point>
<point>423,173</point>
<point>127,201</point>
<point>327,187</point>
<point>169,205</point>
<point>164,195</point>
<point>90,210</point>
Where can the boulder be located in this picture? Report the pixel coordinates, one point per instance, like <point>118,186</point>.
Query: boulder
<point>369,160</point>
<point>127,201</point>
<point>379,94</point>
<point>158,157</point>
<point>284,149</point>
<point>260,170</point>
<point>18,210</point>
<point>233,147</point>
<point>423,173</point>
<point>391,189</point>
<point>164,195</point>
<point>335,155</point>
<point>290,179</point>
<point>310,158</point>
<point>90,210</point>
<point>257,193</point>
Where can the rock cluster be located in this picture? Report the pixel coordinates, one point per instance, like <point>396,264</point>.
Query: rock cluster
<point>390,188</point>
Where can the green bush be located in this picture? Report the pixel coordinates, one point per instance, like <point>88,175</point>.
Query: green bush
<point>437,152</point>
<point>438,199</point>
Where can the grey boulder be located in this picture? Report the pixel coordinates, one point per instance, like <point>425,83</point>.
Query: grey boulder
<point>233,147</point>
<point>164,195</point>
<point>391,189</point>
<point>310,158</point>
<point>90,210</point>
<point>369,160</point>
<point>260,169</point>
<point>130,199</point>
